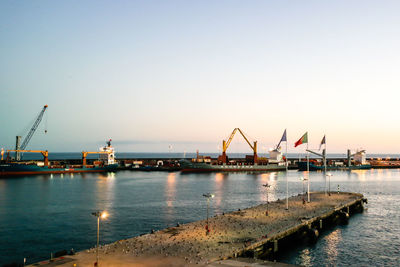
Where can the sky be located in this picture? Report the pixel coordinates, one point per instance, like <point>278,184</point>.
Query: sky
<point>150,74</point>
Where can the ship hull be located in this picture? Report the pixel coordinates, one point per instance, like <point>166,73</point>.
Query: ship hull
<point>312,167</point>
<point>193,167</point>
<point>15,169</point>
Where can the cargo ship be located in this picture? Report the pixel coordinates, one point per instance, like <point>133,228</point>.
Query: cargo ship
<point>275,162</point>
<point>302,165</point>
<point>252,163</point>
<point>188,166</point>
<point>358,163</point>
<point>105,163</point>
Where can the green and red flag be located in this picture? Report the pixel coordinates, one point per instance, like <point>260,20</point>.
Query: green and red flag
<point>302,140</point>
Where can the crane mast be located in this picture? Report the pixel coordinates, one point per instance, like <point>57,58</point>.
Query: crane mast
<point>30,134</point>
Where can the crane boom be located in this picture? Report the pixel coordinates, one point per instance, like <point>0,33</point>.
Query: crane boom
<point>252,147</point>
<point>45,154</point>
<point>225,145</point>
<point>33,129</point>
<point>85,153</point>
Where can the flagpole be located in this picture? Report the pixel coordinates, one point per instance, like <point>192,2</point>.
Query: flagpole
<point>326,191</point>
<point>287,183</point>
<point>308,174</point>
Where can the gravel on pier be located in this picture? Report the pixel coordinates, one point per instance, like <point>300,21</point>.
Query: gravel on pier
<point>189,245</point>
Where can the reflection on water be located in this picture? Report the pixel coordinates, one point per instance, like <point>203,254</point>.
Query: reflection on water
<point>264,178</point>
<point>332,242</point>
<point>329,255</point>
<point>170,191</point>
<point>170,196</point>
<point>305,257</point>
<point>271,180</point>
<point>360,174</point>
<point>218,190</point>
<point>60,207</point>
<point>105,191</point>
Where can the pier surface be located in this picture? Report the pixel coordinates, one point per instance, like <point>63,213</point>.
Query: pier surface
<point>231,234</point>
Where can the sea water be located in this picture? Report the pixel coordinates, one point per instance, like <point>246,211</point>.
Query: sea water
<point>40,215</point>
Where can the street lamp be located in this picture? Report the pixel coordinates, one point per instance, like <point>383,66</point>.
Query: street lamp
<point>267,186</point>
<point>303,179</point>
<point>102,215</point>
<point>329,184</point>
<point>208,196</point>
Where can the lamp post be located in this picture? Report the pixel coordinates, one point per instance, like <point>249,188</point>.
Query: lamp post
<point>267,186</point>
<point>99,215</point>
<point>329,183</point>
<point>208,196</point>
<point>302,180</point>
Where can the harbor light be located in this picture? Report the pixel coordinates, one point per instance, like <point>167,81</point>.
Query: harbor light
<point>208,196</point>
<point>103,215</point>
<point>267,186</point>
<point>303,179</point>
<point>329,183</point>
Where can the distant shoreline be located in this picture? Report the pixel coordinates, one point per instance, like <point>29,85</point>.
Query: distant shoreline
<point>181,155</point>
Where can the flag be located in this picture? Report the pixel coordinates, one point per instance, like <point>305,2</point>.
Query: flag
<point>302,140</point>
<point>323,141</point>
<point>283,139</point>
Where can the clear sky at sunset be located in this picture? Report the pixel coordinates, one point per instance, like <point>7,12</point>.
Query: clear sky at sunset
<point>153,73</point>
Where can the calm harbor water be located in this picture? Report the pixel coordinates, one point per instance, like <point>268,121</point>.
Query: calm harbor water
<point>44,214</point>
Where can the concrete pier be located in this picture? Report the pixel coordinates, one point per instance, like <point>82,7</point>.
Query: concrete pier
<point>243,233</point>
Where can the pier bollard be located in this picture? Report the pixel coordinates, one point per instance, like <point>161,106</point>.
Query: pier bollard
<point>344,217</point>
<point>358,207</point>
<point>313,235</point>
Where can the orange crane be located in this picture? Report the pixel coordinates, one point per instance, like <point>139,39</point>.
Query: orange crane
<point>225,146</point>
<point>44,153</point>
<point>85,153</point>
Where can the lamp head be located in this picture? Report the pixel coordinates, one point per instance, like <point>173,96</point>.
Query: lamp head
<point>100,214</point>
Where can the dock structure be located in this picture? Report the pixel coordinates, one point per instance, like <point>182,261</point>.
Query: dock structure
<point>242,233</point>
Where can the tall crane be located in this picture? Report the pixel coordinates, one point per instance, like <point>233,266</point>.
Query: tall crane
<point>225,145</point>
<point>30,134</point>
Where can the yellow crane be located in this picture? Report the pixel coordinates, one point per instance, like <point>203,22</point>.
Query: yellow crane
<point>85,153</point>
<point>225,145</point>
<point>45,154</point>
